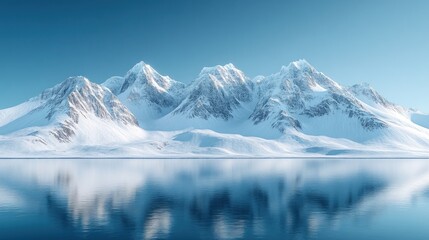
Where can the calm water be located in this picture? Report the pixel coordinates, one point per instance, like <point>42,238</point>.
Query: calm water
<point>214,199</point>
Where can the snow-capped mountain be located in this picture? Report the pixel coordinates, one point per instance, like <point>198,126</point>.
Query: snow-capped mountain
<point>148,94</point>
<point>297,111</point>
<point>216,93</point>
<point>301,98</point>
<point>74,111</point>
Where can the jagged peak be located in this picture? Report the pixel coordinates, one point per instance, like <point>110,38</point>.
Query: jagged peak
<point>301,72</point>
<point>76,81</point>
<point>142,67</point>
<point>221,75</point>
<point>146,74</point>
<point>299,65</point>
<point>69,85</point>
<point>229,66</point>
<point>219,69</point>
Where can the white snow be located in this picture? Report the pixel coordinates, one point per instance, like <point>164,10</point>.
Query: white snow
<point>114,84</point>
<point>295,112</point>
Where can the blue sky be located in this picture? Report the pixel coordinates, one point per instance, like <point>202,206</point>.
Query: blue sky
<point>382,42</point>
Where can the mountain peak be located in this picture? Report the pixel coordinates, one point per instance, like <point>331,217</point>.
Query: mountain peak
<point>219,69</point>
<point>229,65</point>
<point>299,65</point>
<point>142,67</point>
<point>216,93</point>
<point>66,87</point>
<point>221,76</point>
<point>144,74</point>
<point>76,81</point>
<point>146,92</point>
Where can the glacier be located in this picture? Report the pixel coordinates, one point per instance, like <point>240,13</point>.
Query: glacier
<point>296,112</point>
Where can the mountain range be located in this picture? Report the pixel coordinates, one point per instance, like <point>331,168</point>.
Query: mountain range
<point>297,111</point>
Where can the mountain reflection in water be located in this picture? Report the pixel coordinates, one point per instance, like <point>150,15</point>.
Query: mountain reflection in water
<point>213,199</point>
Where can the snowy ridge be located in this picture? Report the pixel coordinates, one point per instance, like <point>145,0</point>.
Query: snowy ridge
<point>297,111</point>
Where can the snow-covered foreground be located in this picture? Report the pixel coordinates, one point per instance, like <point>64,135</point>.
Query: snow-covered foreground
<point>206,144</point>
<point>222,113</point>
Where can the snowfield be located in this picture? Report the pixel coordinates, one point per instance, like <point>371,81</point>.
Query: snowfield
<point>297,112</point>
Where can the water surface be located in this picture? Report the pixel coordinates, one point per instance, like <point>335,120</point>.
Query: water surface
<point>214,199</point>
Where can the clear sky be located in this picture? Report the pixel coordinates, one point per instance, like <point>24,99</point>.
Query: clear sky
<point>382,42</point>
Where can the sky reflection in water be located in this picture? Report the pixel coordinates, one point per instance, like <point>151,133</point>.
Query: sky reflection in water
<point>214,199</point>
